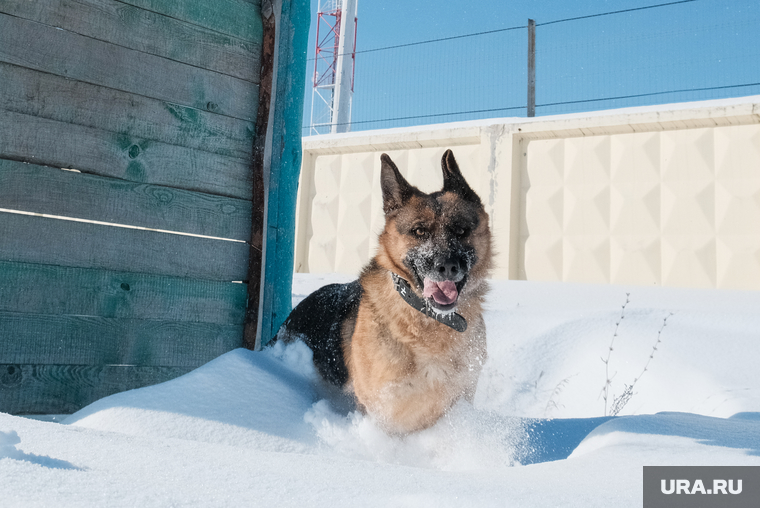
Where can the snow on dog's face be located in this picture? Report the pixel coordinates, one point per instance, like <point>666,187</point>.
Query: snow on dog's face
<point>436,241</point>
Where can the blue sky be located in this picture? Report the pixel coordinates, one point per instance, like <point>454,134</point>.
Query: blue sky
<point>699,44</point>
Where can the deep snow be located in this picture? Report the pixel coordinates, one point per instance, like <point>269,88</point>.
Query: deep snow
<point>258,429</point>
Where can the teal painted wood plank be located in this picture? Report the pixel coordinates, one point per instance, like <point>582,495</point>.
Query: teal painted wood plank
<point>43,48</point>
<point>64,389</point>
<point>124,114</point>
<point>152,32</point>
<point>40,240</point>
<point>46,339</point>
<point>239,18</point>
<point>46,190</point>
<point>285,166</point>
<point>47,142</point>
<point>45,289</point>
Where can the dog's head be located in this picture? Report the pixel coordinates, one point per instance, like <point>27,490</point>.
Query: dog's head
<point>439,242</point>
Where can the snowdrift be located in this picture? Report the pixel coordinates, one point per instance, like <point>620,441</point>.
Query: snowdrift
<point>260,429</point>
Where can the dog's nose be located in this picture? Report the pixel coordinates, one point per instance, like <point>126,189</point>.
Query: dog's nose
<point>447,268</point>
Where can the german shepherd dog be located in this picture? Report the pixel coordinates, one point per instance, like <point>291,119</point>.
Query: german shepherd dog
<point>408,337</point>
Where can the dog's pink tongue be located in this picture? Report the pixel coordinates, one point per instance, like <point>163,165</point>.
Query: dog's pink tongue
<point>444,293</point>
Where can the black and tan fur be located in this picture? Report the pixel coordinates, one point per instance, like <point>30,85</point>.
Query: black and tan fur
<point>404,367</point>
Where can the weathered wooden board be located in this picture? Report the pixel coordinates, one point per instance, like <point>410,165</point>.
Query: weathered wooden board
<point>45,190</point>
<point>125,115</point>
<point>46,289</point>
<point>38,140</point>
<point>89,340</point>
<point>151,32</point>
<point>154,102</point>
<point>239,18</point>
<point>41,240</point>
<point>74,56</point>
<point>64,389</point>
<point>283,170</point>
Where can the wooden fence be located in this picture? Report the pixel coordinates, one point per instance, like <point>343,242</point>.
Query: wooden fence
<point>127,134</point>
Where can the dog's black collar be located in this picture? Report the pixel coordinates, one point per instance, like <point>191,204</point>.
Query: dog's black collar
<point>451,319</point>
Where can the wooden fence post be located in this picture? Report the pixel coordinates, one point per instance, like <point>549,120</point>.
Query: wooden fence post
<point>258,215</point>
<point>282,165</point>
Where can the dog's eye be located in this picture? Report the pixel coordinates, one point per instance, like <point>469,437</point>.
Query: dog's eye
<point>419,231</point>
<point>460,231</point>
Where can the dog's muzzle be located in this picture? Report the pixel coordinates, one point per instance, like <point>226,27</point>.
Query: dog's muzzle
<point>450,319</point>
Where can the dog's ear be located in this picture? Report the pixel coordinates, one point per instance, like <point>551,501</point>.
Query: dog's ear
<point>453,181</point>
<point>396,190</point>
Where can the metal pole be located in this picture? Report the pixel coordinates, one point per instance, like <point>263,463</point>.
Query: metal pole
<point>531,68</point>
<point>343,91</point>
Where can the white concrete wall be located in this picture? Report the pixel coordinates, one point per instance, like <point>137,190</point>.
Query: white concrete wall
<point>666,195</point>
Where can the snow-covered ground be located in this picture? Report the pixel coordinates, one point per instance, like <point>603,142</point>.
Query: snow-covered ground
<point>256,429</point>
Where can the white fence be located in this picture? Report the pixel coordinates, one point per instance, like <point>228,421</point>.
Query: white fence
<point>666,195</point>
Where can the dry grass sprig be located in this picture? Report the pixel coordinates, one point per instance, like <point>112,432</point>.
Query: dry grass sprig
<point>607,377</point>
<point>619,402</point>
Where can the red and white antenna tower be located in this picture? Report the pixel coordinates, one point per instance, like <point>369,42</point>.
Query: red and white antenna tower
<point>334,62</point>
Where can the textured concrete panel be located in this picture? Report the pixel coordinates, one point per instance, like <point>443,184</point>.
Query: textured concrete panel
<point>354,212</point>
<point>324,214</point>
<point>657,197</point>
<point>677,208</point>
